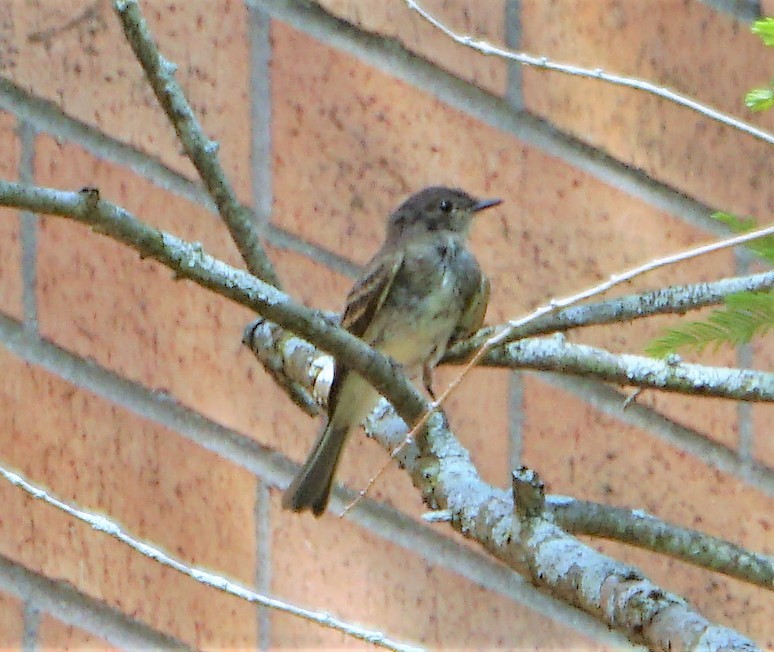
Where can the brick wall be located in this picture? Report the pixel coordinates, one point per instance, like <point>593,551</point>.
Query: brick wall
<point>129,393</point>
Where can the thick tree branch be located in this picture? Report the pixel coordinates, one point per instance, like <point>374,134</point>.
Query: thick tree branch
<point>202,151</point>
<point>637,528</point>
<point>555,354</point>
<point>677,299</point>
<point>612,592</point>
<point>306,365</point>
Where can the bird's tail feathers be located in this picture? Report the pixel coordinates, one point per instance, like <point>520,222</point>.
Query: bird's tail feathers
<point>312,486</point>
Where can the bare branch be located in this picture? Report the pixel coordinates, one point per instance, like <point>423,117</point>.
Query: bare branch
<point>201,150</point>
<point>677,299</point>
<point>556,354</point>
<point>103,524</point>
<point>545,63</point>
<point>638,528</point>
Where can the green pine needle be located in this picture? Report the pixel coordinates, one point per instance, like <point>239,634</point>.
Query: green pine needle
<point>759,99</point>
<point>747,315</point>
<point>764,28</point>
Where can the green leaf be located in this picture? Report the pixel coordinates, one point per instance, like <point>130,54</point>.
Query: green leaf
<point>747,314</point>
<point>764,246</point>
<point>759,99</point>
<point>764,27</point>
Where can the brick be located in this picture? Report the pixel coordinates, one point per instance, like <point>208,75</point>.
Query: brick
<point>332,565</point>
<point>10,237</point>
<point>130,315</point>
<point>11,622</point>
<point>157,485</point>
<point>581,452</point>
<point>56,635</point>
<point>486,22</point>
<point>688,47</point>
<point>371,140</point>
<point>74,54</point>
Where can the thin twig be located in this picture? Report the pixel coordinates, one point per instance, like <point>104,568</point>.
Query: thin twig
<point>102,524</point>
<point>202,151</point>
<point>677,299</point>
<point>597,73</point>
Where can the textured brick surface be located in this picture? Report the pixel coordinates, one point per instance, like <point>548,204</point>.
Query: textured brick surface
<point>11,622</point>
<point>56,635</point>
<point>581,452</point>
<point>485,21</point>
<point>333,566</point>
<point>74,54</point>
<point>10,243</point>
<point>156,484</point>
<point>687,47</point>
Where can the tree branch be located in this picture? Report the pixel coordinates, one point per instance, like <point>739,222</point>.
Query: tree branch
<point>189,261</point>
<point>440,467</point>
<point>102,524</point>
<point>555,354</point>
<point>677,299</point>
<point>306,365</point>
<point>638,528</point>
<point>545,63</point>
<point>202,151</point>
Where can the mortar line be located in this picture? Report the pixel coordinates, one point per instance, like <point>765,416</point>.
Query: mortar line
<point>260,113</point>
<point>514,93</point>
<point>515,421</point>
<point>714,454</point>
<point>29,228</point>
<point>263,539</point>
<point>64,602</point>
<point>31,617</point>
<point>276,470</point>
<point>743,10</point>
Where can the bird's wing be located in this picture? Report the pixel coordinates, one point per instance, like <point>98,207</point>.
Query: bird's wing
<point>363,302</point>
<point>368,294</point>
<point>473,317</point>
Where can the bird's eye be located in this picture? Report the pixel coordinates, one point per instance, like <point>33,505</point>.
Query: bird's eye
<point>445,206</point>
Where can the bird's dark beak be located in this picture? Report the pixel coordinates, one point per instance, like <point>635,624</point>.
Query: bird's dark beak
<point>486,203</point>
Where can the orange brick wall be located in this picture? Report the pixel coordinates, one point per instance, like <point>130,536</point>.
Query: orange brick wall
<point>129,393</point>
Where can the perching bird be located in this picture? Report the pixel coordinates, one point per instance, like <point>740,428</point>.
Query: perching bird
<point>422,290</point>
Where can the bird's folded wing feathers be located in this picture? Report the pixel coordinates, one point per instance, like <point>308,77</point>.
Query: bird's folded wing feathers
<point>473,317</point>
<point>370,292</point>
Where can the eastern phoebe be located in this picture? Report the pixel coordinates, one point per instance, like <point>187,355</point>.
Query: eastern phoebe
<point>421,291</point>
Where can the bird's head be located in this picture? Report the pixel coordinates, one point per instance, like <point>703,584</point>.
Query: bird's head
<point>435,209</point>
